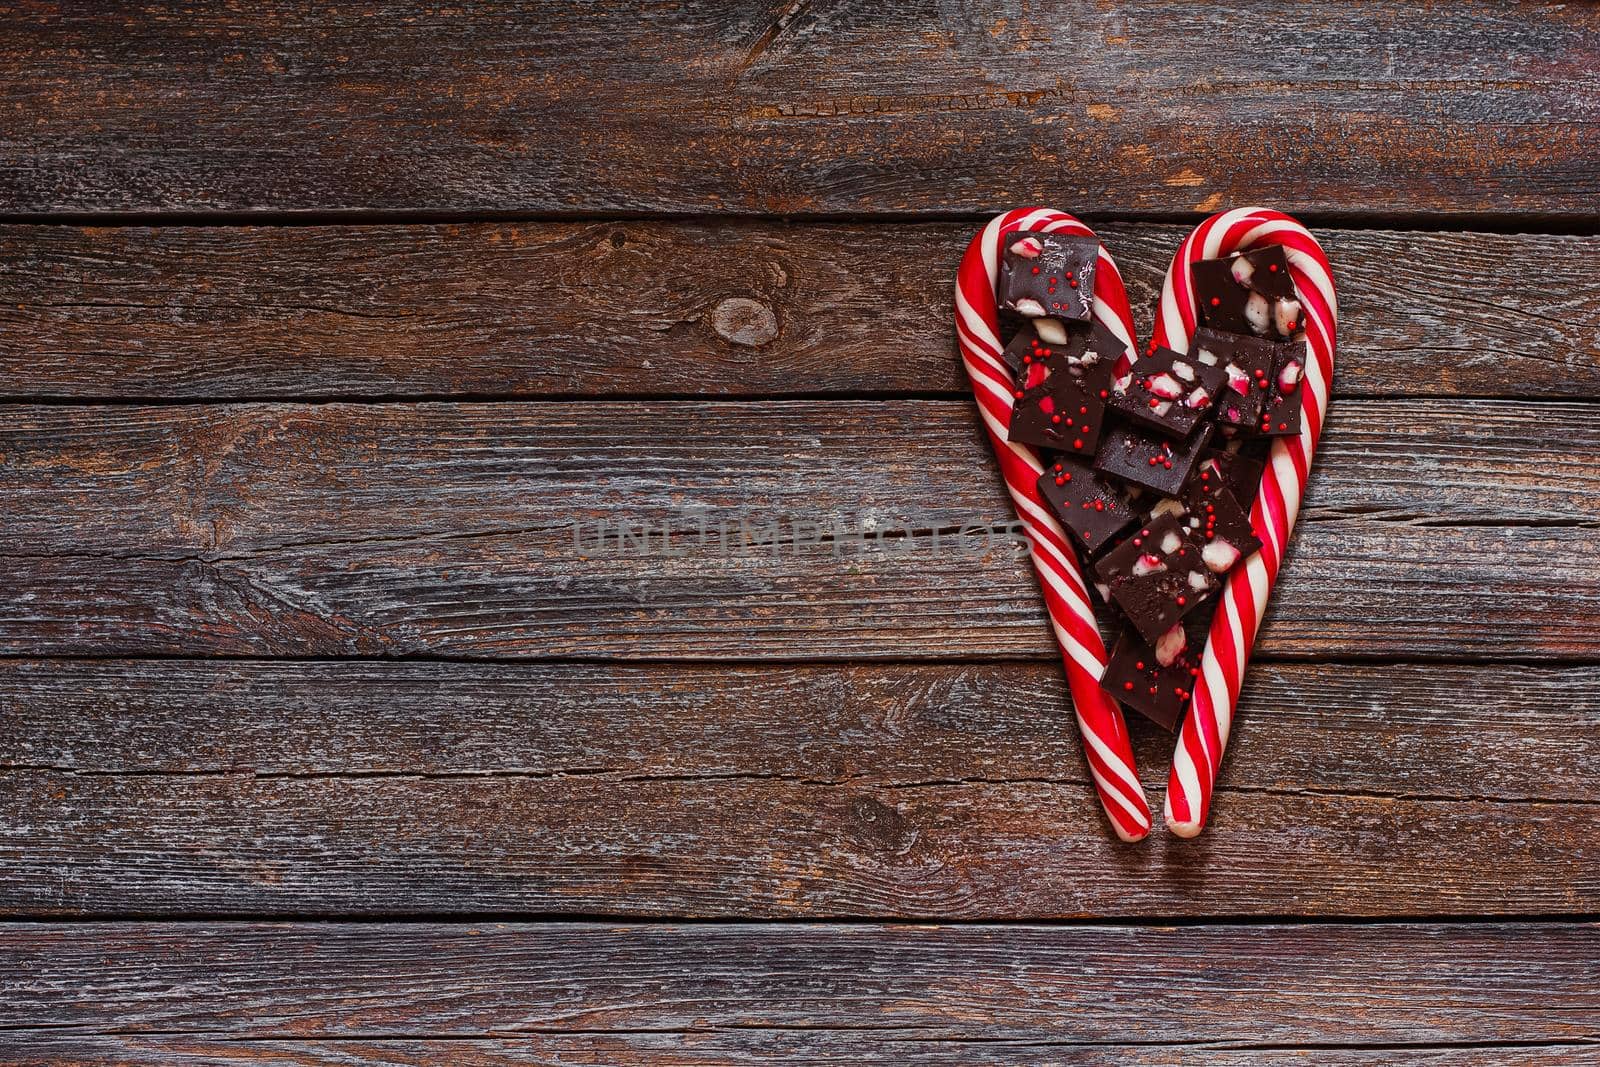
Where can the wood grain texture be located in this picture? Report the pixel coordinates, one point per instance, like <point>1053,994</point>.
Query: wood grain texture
<point>1355,108</point>
<point>734,1048</point>
<point>760,846</point>
<point>657,308</point>
<point>1351,588</point>
<point>732,992</point>
<point>943,790</point>
<point>473,530</point>
<point>224,481</point>
<point>1437,731</point>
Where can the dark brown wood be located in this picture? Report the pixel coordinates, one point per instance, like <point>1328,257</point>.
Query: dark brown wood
<point>221,482</point>
<point>1457,109</point>
<point>772,846</point>
<point>1439,731</point>
<point>1351,588</point>
<point>743,1046</point>
<point>473,530</point>
<point>804,791</point>
<point>655,308</point>
<point>731,994</point>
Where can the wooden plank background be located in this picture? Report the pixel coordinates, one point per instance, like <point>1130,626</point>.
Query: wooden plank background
<point>333,732</point>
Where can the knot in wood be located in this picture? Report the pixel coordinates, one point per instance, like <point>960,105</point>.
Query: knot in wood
<point>744,322</point>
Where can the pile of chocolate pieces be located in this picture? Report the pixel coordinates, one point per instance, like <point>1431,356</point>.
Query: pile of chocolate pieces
<point>1153,471</point>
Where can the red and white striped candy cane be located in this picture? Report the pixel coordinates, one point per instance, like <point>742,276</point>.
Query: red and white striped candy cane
<point>1100,722</point>
<point>1204,735</point>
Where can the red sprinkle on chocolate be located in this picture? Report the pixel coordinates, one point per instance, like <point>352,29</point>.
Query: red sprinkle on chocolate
<point>1273,267</point>
<point>1036,270</point>
<point>1215,301</point>
<point>1077,444</point>
<point>1128,686</point>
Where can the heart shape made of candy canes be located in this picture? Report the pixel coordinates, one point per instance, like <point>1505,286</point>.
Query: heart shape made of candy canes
<point>1246,585</point>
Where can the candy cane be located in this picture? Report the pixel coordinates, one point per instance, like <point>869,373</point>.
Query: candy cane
<point>1204,735</point>
<point>1100,722</point>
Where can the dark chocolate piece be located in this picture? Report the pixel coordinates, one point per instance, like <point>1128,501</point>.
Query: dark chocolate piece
<point>1285,391</point>
<point>1156,678</point>
<point>1156,576</point>
<point>1065,344</point>
<point>1061,398</point>
<point>1239,471</point>
<point>1091,507</point>
<point>1247,364</point>
<point>1248,292</point>
<point>1209,513</point>
<point>1050,274</point>
<point>1168,392</point>
<point>1141,457</point>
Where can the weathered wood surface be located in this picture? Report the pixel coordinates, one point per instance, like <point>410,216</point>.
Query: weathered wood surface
<point>730,994</point>
<point>774,846</point>
<point>655,308</point>
<point>472,530</point>
<point>953,790</point>
<point>1354,588</point>
<point>743,1046</point>
<point>1355,109</point>
<point>232,480</point>
<point>1436,731</point>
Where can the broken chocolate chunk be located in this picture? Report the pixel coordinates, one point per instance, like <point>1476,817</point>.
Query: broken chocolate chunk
<point>1156,678</point>
<point>1146,459</point>
<point>1248,292</point>
<point>1168,392</point>
<point>1246,364</point>
<point>1037,343</point>
<point>1062,389</point>
<point>1048,274</point>
<point>1156,576</point>
<point>1091,507</point>
<point>1285,391</point>
<point>1239,471</point>
<point>1209,513</point>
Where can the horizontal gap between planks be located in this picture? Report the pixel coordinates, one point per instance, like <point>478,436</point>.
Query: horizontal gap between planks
<point>1565,224</point>
<point>665,662</point>
<point>711,779</point>
<point>585,919</point>
<point>914,1035</point>
<point>854,397</point>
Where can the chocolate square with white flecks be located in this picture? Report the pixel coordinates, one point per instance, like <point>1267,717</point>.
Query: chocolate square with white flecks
<point>1063,380</point>
<point>1156,678</point>
<point>1048,275</point>
<point>1248,292</point>
<point>1247,364</point>
<point>1285,402</point>
<point>1168,392</point>
<point>1156,576</point>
